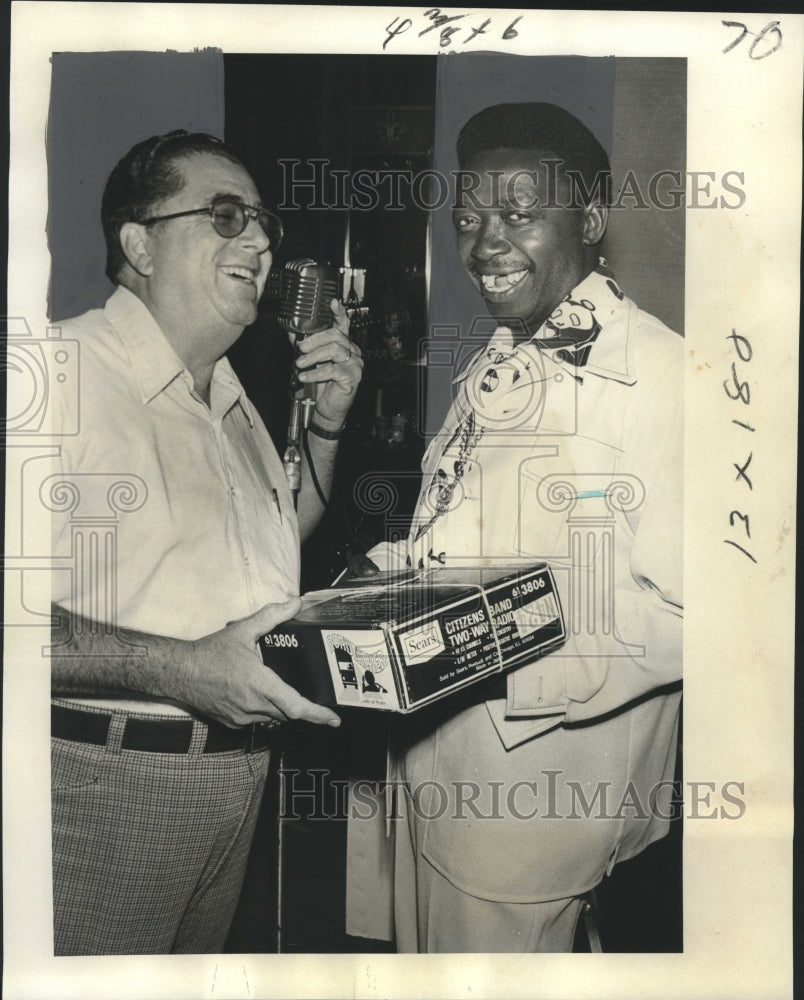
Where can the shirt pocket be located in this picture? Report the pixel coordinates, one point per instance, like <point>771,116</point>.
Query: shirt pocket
<point>564,484</point>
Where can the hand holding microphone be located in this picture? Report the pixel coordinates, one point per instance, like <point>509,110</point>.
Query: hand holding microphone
<point>332,362</point>
<point>328,364</point>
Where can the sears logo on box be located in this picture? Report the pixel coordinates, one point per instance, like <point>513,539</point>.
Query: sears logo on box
<point>422,644</point>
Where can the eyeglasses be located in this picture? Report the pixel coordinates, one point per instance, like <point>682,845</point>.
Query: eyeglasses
<point>230,219</point>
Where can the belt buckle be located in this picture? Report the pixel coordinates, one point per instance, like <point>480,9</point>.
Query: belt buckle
<point>256,729</point>
<point>251,733</point>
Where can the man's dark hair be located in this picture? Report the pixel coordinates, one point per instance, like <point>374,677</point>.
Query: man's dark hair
<point>147,174</point>
<point>549,129</point>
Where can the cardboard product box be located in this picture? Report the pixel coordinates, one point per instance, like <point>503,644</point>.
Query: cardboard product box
<point>397,642</point>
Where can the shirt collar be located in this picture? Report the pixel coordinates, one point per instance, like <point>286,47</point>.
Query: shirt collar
<point>595,316</point>
<point>230,389</point>
<point>153,360</point>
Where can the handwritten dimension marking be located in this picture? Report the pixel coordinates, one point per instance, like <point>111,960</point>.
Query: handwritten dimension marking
<point>447,27</point>
<point>740,391</point>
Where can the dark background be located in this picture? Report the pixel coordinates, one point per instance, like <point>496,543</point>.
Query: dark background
<point>355,112</point>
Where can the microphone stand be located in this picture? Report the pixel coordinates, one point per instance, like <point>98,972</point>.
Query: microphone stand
<point>301,410</point>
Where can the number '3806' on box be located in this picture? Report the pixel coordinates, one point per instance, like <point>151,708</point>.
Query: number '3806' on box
<point>397,642</point>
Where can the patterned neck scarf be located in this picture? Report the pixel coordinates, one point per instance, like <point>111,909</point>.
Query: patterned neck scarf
<point>574,325</point>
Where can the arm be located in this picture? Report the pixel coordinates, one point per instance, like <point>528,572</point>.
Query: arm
<point>649,612</point>
<point>598,673</point>
<point>333,363</point>
<point>220,675</point>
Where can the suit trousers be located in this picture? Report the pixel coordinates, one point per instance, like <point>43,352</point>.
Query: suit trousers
<point>434,916</point>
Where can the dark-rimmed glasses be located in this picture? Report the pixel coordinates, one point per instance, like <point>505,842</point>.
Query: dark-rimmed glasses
<point>230,218</point>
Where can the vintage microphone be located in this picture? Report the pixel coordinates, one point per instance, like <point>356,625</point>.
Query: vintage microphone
<point>306,289</point>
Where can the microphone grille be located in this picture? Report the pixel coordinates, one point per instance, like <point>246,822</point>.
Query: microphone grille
<point>307,287</point>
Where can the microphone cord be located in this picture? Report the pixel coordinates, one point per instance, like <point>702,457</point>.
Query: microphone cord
<point>311,467</point>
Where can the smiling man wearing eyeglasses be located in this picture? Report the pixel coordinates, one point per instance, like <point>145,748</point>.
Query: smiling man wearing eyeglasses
<point>162,709</point>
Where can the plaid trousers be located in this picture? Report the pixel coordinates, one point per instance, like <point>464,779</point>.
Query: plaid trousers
<point>149,849</point>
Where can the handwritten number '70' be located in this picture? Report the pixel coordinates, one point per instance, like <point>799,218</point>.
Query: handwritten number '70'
<point>771,28</point>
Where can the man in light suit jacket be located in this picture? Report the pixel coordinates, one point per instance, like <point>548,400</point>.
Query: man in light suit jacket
<point>564,444</point>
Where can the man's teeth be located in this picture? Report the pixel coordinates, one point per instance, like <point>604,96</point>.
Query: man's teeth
<point>240,272</point>
<point>501,282</point>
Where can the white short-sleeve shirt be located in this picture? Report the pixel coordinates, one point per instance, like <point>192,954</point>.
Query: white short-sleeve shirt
<point>175,517</point>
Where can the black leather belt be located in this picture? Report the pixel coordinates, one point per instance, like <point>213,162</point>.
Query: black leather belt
<point>157,735</point>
